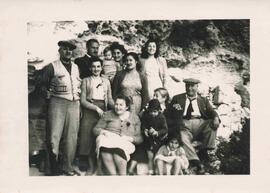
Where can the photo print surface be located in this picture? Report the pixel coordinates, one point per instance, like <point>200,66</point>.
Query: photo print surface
<point>139,97</point>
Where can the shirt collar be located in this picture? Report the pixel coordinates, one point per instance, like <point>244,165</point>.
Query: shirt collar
<point>193,98</point>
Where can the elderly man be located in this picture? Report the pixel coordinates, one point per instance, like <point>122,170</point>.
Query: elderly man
<point>84,62</point>
<point>193,116</point>
<point>62,82</point>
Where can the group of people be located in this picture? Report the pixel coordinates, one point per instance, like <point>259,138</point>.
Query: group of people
<point>115,112</point>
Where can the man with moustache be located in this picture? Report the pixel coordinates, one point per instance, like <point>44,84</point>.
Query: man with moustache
<point>62,81</point>
<point>195,119</point>
<point>84,62</point>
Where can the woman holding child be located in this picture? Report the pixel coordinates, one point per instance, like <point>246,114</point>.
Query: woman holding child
<point>131,83</point>
<point>118,52</point>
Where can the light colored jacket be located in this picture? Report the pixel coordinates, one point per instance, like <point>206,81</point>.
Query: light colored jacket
<point>163,69</point>
<point>63,84</point>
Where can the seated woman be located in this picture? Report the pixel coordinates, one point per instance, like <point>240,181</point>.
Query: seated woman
<point>131,83</point>
<point>117,132</point>
<point>96,97</point>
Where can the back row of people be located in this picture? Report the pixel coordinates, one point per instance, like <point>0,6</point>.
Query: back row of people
<point>132,87</point>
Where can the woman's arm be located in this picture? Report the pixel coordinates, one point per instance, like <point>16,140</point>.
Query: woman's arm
<point>109,95</point>
<point>165,75</point>
<point>84,102</point>
<point>145,93</point>
<point>101,125</point>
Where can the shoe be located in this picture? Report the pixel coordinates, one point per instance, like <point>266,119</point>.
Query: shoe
<point>71,173</point>
<point>89,173</point>
<point>200,170</point>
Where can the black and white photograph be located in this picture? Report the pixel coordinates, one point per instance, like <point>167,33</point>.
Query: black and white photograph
<point>139,97</point>
<point>134,96</point>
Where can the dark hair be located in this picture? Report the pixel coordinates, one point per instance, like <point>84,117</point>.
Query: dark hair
<point>144,48</point>
<point>108,48</point>
<point>90,41</point>
<point>95,59</point>
<point>175,136</point>
<point>164,93</point>
<point>136,58</point>
<point>125,98</point>
<point>116,45</point>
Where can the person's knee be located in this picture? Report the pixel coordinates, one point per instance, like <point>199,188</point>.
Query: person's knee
<point>159,162</point>
<point>177,161</point>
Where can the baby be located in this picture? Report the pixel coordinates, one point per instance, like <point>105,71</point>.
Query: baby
<point>109,65</point>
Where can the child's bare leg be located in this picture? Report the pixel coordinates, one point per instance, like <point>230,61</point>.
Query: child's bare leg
<point>150,161</point>
<point>132,166</point>
<point>107,159</point>
<point>176,166</point>
<point>160,167</point>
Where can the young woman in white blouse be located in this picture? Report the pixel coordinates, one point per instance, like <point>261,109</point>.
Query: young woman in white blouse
<point>96,97</point>
<point>153,66</point>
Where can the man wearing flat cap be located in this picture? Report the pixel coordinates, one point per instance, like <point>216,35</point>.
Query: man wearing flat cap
<point>92,46</point>
<point>61,79</point>
<point>193,116</point>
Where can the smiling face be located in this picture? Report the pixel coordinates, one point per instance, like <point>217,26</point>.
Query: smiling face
<point>191,89</point>
<point>108,55</point>
<point>173,144</point>
<point>65,53</point>
<point>151,48</point>
<point>159,97</point>
<point>92,49</point>
<point>117,55</point>
<point>96,68</point>
<point>120,106</point>
<point>130,63</point>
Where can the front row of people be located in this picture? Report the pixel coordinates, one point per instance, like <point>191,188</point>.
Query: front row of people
<point>109,138</point>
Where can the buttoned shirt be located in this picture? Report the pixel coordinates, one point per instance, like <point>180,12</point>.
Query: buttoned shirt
<point>196,111</point>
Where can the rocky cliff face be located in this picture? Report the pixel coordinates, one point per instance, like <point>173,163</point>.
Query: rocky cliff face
<point>214,51</point>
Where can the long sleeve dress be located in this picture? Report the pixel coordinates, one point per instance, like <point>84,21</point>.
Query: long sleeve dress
<point>117,131</point>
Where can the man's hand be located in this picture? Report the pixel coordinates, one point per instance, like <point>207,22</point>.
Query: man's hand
<point>215,123</point>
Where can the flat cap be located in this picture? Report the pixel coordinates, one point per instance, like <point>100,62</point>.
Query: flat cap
<point>191,81</point>
<point>67,44</point>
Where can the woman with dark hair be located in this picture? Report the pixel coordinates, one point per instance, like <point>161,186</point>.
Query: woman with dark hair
<point>96,97</point>
<point>117,132</point>
<point>131,83</point>
<point>118,52</point>
<point>153,66</point>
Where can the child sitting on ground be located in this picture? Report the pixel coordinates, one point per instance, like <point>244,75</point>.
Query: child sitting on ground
<point>171,157</point>
<point>109,65</point>
<point>155,130</point>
